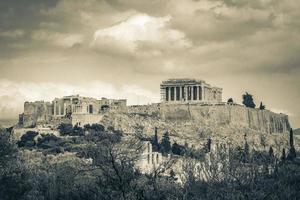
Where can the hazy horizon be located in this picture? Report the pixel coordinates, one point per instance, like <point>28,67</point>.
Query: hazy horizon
<point>108,48</point>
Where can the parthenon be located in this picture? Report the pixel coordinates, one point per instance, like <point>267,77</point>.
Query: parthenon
<point>189,90</point>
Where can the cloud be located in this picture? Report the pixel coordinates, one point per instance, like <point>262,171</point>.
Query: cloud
<point>58,39</point>
<point>12,34</point>
<point>138,30</point>
<point>14,94</point>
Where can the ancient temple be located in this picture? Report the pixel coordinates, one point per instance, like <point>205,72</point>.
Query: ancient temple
<point>189,90</point>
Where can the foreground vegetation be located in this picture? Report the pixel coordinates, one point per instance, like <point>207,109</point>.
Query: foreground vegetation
<point>31,169</point>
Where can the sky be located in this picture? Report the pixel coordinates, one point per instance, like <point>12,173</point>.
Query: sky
<point>125,48</point>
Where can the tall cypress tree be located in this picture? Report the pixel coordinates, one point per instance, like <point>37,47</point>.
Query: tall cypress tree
<point>155,144</point>
<point>283,155</point>
<point>246,153</point>
<point>292,153</point>
<point>165,143</point>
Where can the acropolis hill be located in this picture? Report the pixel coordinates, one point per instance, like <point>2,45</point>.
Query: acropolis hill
<point>189,109</point>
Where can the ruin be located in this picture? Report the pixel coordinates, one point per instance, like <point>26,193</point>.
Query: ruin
<point>68,107</point>
<point>189,90</point>
<point>182,100</point>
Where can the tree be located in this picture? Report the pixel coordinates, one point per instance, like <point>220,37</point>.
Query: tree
<point>165,143</point>
<point>97,127</point>
<point>13,174</point>
<point>27,140</point>
<point>65,129</point>
<point>291,138</point>
<point>178,149</point>
<point>155,144</point>
<point>208,145</point>
<point>246,153</point>
<point>292,152</point>
<point>283,156</point>
<point>271,155</point>
<point>261,106</point>
<point>248,100</point>
<point>230,101</point>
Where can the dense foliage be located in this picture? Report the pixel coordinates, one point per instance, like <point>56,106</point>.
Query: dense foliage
<point>248,100</point>
<point>110,173</point>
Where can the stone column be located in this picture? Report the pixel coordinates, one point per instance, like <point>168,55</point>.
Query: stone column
<point>192,93</point>
<point>203,97</point>
<point>54,110</point>
<point>185,93</point>
<point>180,93</point>
<point>64,109</point>
<point>169,94</point>
<point>175,93</point>
<point>59,109</point>
<point>166,94</point>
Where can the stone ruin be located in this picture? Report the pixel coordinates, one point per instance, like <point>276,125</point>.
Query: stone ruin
<point>182,100</point>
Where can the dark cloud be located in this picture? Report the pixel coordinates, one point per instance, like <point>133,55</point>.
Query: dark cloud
<point>238,45</point>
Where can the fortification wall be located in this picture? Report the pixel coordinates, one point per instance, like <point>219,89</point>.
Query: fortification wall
<point>150,110</point>
<point>82,119</point>
<point>223,114</point>
<point>39,112</point>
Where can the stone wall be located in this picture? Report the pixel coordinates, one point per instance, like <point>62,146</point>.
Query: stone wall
<point>82,119</point>
<point>150,110</point>
<point>38,112</point>
<point>223,114</point>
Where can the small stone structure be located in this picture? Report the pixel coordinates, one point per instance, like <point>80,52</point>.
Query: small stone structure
<point>189,90</point>
<point>149,160</point>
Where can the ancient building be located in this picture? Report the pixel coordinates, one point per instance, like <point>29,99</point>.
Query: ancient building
<point>83,109</point>
<point>189,90</point>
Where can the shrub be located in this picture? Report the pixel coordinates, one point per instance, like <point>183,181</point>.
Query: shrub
<point>248,100</point>
<point>48,141</point>
<point>65,129</point>
<point>178,149</point>
<point>27,140</point>
<point>97,127</point>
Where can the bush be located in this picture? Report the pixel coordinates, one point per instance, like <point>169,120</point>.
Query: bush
<point>97,127</point>
<point>248,100</point>
<point>77,131</point>
<point>48,141</point>
<point>178,149</point>
<point>27,140</point>
<point>65,129</point>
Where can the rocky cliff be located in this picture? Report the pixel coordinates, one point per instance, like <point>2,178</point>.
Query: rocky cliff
<point>195,123</point>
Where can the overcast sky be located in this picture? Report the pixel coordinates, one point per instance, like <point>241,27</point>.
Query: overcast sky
<point>125,48</point>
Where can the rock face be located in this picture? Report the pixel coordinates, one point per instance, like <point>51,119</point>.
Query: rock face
<point>195,123</point>
<point>224,114</point>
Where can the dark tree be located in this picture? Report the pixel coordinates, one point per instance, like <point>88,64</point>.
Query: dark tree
<point>248,100</point>
<point>178,149</point>
<point>78,131</point>
<point>283,156</point>
<point>97,127</point>
<point>208,145</point>
<point>155,144</point>
<point>27,140</point>
<point>65,129</point>
<point>271,155</point>
<point>291,138</point>
<point>165,143</point>
<point>261,106</point>
<point>230,101</point>
<point>246,153</point>
<point>292,152</point>
<point>13,174</point>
